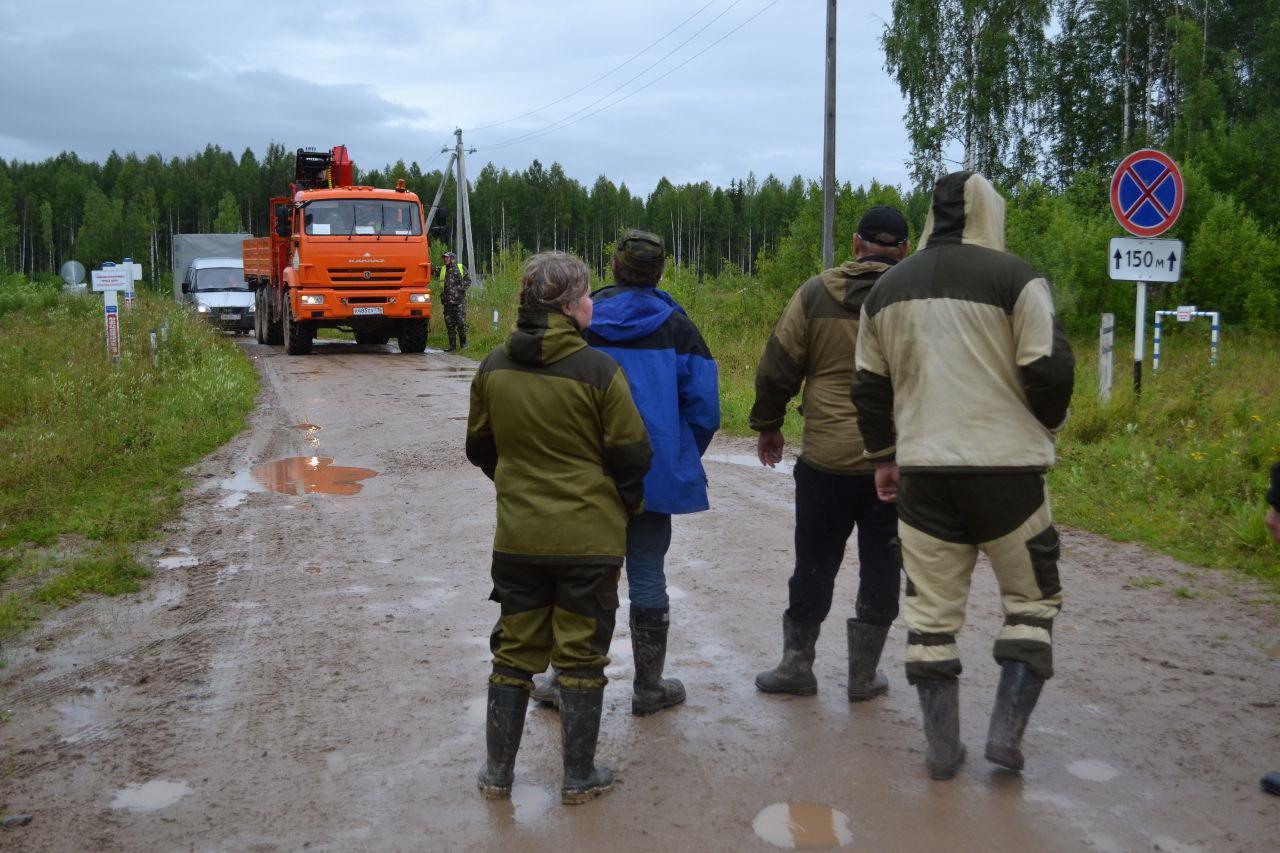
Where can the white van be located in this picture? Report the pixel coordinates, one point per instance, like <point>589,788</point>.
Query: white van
<point>215,289</point>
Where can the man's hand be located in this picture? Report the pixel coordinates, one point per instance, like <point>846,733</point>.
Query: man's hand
<point>769,447</point>
<point>1273,523</point>
<point>887,479</point>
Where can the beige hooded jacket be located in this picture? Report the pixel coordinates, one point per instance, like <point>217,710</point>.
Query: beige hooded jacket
<point>961,364</point>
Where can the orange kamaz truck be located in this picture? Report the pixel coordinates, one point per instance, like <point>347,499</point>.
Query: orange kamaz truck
<point>340,256</point>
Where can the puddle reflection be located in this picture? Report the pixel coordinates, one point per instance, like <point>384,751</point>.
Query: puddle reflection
<point>303,475</point>
<point>803,826</point>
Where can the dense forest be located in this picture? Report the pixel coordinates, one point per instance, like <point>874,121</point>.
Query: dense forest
<point>1044,96</point>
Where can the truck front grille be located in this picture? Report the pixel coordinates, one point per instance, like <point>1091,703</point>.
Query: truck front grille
<point>356,275</point>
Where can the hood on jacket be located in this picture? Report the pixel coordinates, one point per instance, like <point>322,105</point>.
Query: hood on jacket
<point>542,337</point>
<point>966,209</point>
<point>625,313</point>
<point>850,282</point>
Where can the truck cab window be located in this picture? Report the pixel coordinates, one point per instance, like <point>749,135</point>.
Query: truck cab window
<point>347,217</point>
<point>219,278</point>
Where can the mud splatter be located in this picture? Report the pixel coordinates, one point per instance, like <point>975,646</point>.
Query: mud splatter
<point>803,826</point>
<point>304,475</point>
<point>151,796</point>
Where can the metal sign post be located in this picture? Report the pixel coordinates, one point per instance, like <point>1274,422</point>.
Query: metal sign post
<point>1147,195</point>
<point>1106,356</point>
<point>111,309</point>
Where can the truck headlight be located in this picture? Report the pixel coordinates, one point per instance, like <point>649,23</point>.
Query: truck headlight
<point>203,309</point>
<point>250,308</point>
<point>419,297</point>
<point>312,299</point>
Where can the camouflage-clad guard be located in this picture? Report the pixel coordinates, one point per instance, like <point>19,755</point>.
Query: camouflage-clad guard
<point>453,296</point>
<point>963,378</point>
<point>553,424</point>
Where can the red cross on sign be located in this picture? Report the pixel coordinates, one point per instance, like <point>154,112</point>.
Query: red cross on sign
<point>1147,193</point>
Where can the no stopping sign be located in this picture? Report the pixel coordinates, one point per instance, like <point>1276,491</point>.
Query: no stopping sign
<point>1147,193</point>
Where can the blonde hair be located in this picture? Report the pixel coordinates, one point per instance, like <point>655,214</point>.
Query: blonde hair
<point>553,279</point>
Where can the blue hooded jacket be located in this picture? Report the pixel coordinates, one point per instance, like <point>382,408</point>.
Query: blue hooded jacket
<point>675,385</point>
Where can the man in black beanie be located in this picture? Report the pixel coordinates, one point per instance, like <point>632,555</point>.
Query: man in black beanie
<point>813,346</point>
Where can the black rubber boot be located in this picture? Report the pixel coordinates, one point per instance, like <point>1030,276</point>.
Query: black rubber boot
<point>866,642</point>
<point>650,691</point>
<point>462,337</point>
<point>546,690</point>
<point>579,728</point>
<point>1016,698</point>
<point>504,724</point>
<point>940,704</point>
<point>795,673</point>
<point>1270,783</point>
<point>453,344</point>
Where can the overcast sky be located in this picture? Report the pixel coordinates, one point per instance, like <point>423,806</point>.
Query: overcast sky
<point>392,79</point>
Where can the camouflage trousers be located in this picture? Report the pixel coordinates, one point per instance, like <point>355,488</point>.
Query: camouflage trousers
<point>553,614</point>
<point>944,521</point>
<point>455,317</point>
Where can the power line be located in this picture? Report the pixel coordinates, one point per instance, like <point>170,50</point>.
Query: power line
<point>611,71</point>
<point>621,86</point>
<point>565,122</point>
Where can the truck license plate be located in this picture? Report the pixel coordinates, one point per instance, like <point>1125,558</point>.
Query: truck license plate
<point>228,315</point>
<point>367,309</point>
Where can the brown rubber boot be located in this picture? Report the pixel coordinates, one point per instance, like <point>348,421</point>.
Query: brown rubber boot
<point>795,674</point>
<point>580,728</point>
<point>866,642</point>
<point>504,725</point>
<point>940,704</point>
<point>1016,698</point>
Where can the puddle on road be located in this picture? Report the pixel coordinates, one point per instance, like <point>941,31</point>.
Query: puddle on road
<point>675,593</point>
<point>306,427</point>
<point>179,561</point>
<point>304,475</point>
<point>747,460</point>
<point>803,826</point>
<point>529,802</point>
<point>1092,770</point>
<point>233,500</point>
<point>151,796</point>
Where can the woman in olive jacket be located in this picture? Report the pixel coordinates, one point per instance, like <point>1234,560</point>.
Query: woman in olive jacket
<point>553,424</point>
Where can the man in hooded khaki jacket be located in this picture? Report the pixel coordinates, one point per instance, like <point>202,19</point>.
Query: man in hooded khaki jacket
<point>813,346</point>
<point>963,378</point>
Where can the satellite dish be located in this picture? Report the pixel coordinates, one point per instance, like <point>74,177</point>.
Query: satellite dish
<point>72,273</point>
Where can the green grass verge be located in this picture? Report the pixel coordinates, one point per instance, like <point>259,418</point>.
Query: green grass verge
<point>1184,470</point>
<point>92,455</point>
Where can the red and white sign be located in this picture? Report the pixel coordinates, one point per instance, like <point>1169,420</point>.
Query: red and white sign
<point>1147,193</point>
<point>113,331</point>
<point>112,278</point>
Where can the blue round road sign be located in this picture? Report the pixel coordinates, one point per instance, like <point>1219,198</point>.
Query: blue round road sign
<point>1147,193</point>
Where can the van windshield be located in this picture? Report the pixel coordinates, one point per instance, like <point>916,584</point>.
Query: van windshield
<point>346,217</point>
<point>219,278</point>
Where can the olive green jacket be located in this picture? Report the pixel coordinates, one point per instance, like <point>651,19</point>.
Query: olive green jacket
<point>813,345</point>
<point>552,423</point>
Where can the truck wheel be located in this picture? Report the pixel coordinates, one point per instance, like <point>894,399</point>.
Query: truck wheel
<point>372,338</point>
<point>259,317</point>
<point>297,336</point>
<point>413,336</point>
<point>274,323</point>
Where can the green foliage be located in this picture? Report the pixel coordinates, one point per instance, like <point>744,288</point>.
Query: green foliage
<point>94,454</point>
<point>799,254</point>
<point>228,219</point>
<point>1184,470</point>
<point>1233,266</point>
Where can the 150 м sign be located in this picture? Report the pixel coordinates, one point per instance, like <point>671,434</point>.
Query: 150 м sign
<point>1133,259</point>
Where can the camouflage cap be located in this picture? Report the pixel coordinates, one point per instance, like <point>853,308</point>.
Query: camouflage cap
<point>640,254</point>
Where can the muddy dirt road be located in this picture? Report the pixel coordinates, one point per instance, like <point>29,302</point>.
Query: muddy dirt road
<point>308,670</point>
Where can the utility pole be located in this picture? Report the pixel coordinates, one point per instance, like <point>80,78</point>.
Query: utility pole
<point>829,147</point>
<point>462,206</point>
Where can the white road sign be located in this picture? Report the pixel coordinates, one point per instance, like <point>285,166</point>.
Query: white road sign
<point>112,278</point>
<point>1136,259</point>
